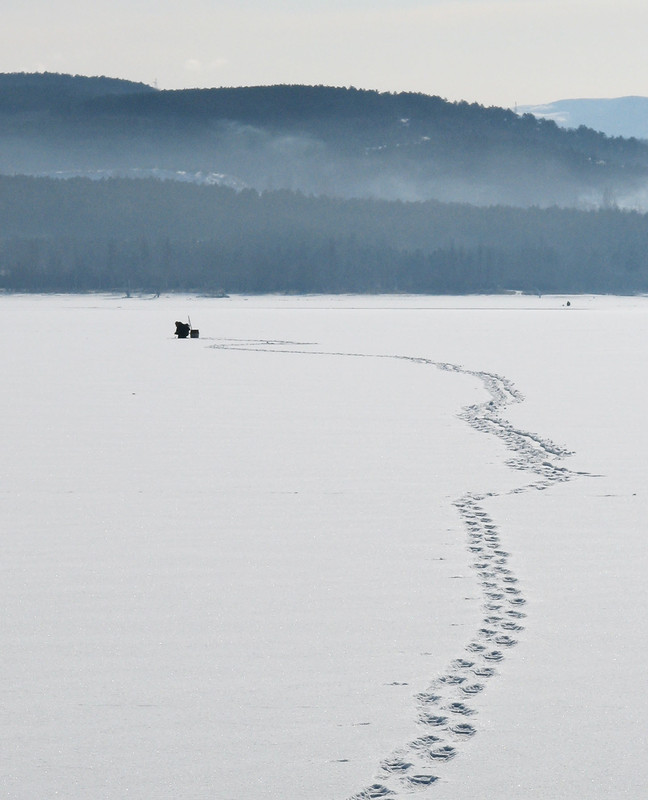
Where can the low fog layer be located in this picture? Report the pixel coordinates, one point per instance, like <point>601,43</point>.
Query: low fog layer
<point>264,160</point>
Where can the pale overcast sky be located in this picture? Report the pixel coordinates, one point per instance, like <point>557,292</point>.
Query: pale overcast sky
<point>497,52</point>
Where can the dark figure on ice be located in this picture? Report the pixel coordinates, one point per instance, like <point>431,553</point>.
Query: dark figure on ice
<point>182,330</point>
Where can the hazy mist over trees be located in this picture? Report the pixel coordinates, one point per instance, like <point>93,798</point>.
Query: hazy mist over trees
<point>315,189</point>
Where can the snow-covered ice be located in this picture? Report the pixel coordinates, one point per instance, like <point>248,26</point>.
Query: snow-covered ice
<point>335,547</point>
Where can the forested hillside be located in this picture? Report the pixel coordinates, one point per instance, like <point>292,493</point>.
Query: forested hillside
<point>307,189</point>
<point>130,235</point>
<point>314,139</point>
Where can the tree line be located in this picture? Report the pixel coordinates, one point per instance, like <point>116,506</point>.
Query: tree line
<point>155,236</point>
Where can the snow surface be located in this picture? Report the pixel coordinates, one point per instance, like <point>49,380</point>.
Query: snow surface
<point>281,560</point>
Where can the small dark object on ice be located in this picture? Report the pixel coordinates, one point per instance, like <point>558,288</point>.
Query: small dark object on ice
<point>182,330</point>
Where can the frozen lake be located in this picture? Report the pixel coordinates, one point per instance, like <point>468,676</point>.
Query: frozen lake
<point>283,561</point>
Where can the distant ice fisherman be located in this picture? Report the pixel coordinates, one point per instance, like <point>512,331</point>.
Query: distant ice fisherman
<point>182,329</point>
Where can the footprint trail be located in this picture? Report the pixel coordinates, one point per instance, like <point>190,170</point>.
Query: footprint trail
<point>447,713</point>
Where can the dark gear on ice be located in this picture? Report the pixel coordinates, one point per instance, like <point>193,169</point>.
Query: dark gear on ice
<point>182,330</point>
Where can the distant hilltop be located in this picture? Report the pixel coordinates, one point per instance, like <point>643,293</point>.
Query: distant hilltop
<point>37,90</point>
<point>619,116</point>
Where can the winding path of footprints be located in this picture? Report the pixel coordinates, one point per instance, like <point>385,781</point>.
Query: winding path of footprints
<point>446,709</point>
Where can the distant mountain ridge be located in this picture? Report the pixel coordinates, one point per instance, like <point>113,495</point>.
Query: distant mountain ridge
<point>618,116</point>
<point>314,139</point>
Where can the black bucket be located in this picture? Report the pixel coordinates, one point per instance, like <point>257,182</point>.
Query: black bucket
<point>194,333</point>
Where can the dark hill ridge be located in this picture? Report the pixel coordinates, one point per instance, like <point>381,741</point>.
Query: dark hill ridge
<point>403,116</point>
<point>314,139</point>
<point>51,91</point>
